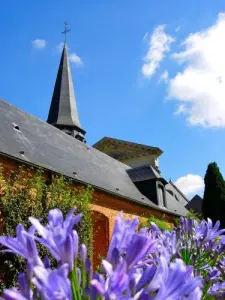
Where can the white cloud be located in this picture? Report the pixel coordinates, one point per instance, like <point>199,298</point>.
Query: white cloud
<point>190,184</point>
<point>75,59</point>
<point>200,87</point>
<point>181,109</point>
<point>164,77</point>
<point>39,44</point>
<point>159,44</point>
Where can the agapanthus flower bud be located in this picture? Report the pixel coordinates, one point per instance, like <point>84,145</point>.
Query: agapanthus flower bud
<point>83,253</point>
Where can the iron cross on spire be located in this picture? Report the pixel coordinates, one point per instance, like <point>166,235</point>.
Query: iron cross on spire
<point>66,30</point>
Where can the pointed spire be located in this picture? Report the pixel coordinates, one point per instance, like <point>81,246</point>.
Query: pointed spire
<point>63,110</point>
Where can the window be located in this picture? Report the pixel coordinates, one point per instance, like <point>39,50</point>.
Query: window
<point>171,193</point>
<point>161,196</point>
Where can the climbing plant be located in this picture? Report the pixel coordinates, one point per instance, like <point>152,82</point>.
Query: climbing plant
<point>27,192</point>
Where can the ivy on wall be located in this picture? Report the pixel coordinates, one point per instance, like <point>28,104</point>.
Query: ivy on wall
<point>26,192</point>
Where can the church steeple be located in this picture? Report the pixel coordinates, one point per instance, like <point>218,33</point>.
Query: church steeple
<point>63,110</point>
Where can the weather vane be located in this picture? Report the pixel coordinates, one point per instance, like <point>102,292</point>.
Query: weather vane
<point>66,30</point>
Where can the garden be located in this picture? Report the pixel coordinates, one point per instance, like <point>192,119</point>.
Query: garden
<point>47,250</point>
<point>186,263</point>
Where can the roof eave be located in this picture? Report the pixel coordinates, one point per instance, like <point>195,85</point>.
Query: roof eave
<point>107,140</point>
<point>86,183</point>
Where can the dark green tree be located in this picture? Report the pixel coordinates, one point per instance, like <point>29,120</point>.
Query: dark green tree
<point>213,205</point>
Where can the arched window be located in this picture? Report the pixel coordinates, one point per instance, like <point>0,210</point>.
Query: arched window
<point>100,236</point>
<point>161,196</point>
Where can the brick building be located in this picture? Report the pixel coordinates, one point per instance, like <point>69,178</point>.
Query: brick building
<point>125,175</point>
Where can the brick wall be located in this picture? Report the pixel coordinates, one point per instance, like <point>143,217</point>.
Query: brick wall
<point>111,205</point>
<point>100,237</point>
<point>108,206</point>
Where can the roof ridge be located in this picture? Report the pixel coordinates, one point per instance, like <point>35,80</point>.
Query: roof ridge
<point>179,191</point>
<point>128,142</point>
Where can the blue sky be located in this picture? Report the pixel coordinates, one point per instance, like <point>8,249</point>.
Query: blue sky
<point>110,42</point>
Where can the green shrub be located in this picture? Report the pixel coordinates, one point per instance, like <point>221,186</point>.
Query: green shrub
<point>26,192</point>
<point>160,223</point>
<point>194,215</point>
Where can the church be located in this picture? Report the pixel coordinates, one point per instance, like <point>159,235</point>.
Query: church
<point>125,175</point>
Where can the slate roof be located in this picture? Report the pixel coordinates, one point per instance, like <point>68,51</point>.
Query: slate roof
<point>195,204</point>
<point>176,206</point>
<point>33,141</point>
<point>178,190</point>
<point>142,173</point>
<point>147,172</point>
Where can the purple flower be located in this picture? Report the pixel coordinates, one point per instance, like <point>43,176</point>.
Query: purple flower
<point>47,262</point>
<point>217,289</point>
<point>140,246</point>
<point>23,293</point>
<point>24,286</point>
<point>97,286</point>
<point>53,284</point>
<point>122,236</point>
<point>58,235</point>
<point>175,281</point>
<point>116,283</point>
<point>83,253</point>
<point>68,250</point>
<point>140,265</point>
<point>88,268</point>
<point>206,232</point>
<point>146,277</point>
<point>186,225</point>
<point>13,294</point>
<point>23,244</point>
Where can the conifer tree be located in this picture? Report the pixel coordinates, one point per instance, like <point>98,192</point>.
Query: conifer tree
<point>213,205</point>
